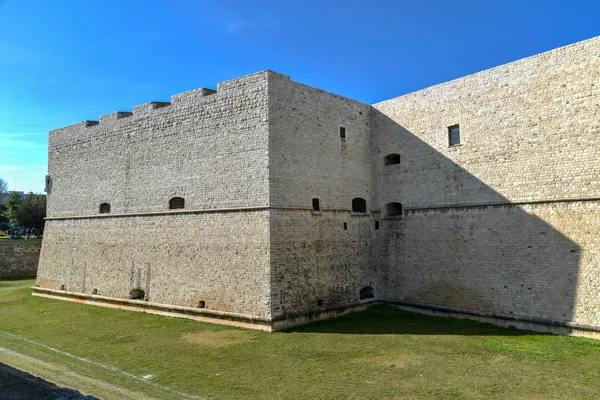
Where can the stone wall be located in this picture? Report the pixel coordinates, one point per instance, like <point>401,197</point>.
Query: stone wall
<point>19,258</point>
<point>210,149</point>
<point>179,259</point>
<point>505,222</point>
<point>508,220</point>
<point>529,131</point>
<point>318,259</point>
<point>307,157</point>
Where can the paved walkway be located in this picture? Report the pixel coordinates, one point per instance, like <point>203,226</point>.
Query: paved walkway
<point>18,385</point>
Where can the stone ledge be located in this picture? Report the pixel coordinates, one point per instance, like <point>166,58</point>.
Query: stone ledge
<point>560,327</point>
<point>268,324</point>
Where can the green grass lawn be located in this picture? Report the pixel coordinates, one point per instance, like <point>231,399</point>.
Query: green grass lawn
<point>381,353</point>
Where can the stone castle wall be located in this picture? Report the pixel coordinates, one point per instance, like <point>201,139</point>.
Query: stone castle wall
<point>506,222</point>
<point>313,258</point>
<point>180,259</point>
<point>187,149</point>
<point>529,135</point>
<point>19,258</point>
<point>209,148</point>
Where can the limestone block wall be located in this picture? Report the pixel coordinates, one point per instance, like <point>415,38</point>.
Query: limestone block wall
<point>19,258</point>
<point>307,156</point>
<point>316,263</point>
<point>209,148</point>
<point>177,259</point>
<point>508,220</point>
<point>529,131</point>
<point>537,260</point>
<point>314,257</point>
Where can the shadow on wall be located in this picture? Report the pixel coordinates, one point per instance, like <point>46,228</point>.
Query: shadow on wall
<point>461,244</point>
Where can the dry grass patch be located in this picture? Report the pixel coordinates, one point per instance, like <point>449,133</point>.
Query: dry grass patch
<point>219,338</point>
<point>393,359</point>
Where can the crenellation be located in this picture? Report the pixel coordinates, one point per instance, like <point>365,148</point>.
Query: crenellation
<point>149,107</point>
<point>191,95</point>
<point>89,123</point>
<point>114,116</point>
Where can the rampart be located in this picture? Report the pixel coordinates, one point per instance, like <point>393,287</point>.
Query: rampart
<point>302,204</point>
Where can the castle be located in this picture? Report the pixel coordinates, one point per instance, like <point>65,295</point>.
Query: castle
<point>268,203</point>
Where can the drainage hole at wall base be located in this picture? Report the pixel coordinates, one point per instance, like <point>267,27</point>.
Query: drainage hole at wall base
<point>366,293</point>
<point>201,304</point>
<point>62,287</point>
<point>137,294</point>
<point>95,291</point>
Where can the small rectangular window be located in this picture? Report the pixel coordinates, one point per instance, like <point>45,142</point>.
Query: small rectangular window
<point>345,226</point>
<point>342,132</point>
<point>453,135</point>
<point>376,225</point>
<point>315,204</point>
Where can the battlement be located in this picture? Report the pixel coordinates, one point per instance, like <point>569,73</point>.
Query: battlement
<point>114,116</point>
<point>192,94</point>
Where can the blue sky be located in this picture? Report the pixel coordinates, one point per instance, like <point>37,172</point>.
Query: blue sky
<point>65,61</point>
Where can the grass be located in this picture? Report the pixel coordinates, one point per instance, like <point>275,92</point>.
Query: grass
<point>381,353</point>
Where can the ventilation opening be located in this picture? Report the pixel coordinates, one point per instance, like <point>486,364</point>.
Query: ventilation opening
<point>62,287</point>
<point>393,210</point>
<point>342,133</point>
<point>95,291</point>
<point>345,226</point>
<point>137,294</point>
<point>315,204</point>
<point>201,304</point>
<point>104,208</point>
<point>391,159</point>
<point>376,225</point>
<point>320,303</point>
<point>176,203</point>
<point>367,293</point>
<point>359,205</point>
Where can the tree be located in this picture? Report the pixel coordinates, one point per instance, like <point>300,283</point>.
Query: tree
<point>3,190</point>
<point>12,205</point>
<point>32,211</point>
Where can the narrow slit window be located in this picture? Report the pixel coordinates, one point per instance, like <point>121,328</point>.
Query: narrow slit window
<point>104,208</point>
<point>315,204</point>
<point>345,226</point>
<point>342,133</point>
<point>376,225</point>
<point>454,135</point>
<point>176,203</point>
<point>391,159</point>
